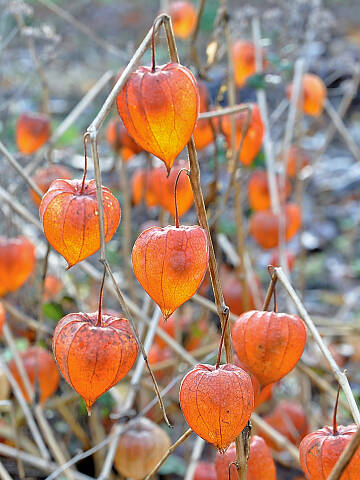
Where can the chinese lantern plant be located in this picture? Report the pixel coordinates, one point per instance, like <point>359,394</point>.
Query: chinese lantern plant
<point>268,343</point>
<point>259,192</point>
<point>2,317</point>
<point>264,225</point>
<point>32,132</point>
<point>170,262</point>
<point>289,419</point>
<point>159,107</point>
<point>253,137</point>
<point>140,448</point>
<point>94,351</point>
<point>17,260</point>
<point>244,61</point>
<point>44,178</point>
<point>313,94</point>
<point>260,464</point>
<point>320,450</point>
<point>183,16</point>
<point>70,217</point>
<point>217,401</point>
<point>41,369</point>
<point>120,140</point>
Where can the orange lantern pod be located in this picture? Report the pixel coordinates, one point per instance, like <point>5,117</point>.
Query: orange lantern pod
<point>244,61</point>
<point>52,287</point>
<point>69,214</point>
<point>203,133</point>
<point>40,367</point>
<point>293,220</point>
<point>259,192</point>
<point>289,419</point>
<point>140,448</point>
<point>269,344</point>
<point>120,140</point>
<point>142,188</point>
<point>159,107</point>
<point>17,260</point>
<point>94,352</point>
<point>170,264</point>
<point>205,471</point>
<point>314,94</point>
<point>32,132</point>
<point>44,178</point>
<point>265,394</point>
<point>260,465</point>
<point>296,161</point>
<point>253,138</point>
<point>320,450</point>
<point>163,187</point>
<point>183,16</point>
<point>217,402</point>
<point>264,225</point>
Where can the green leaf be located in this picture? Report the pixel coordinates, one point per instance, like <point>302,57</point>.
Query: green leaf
<point>256,81</point>
<point>54,311</point>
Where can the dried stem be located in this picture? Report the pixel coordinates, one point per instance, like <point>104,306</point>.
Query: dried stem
<point>99,320</point>
<point>173,447</point>
<point>218,360</point>
<point>86,136</point>
<point>271,289</point>
<point>340,376</point>
<point>177,224</point>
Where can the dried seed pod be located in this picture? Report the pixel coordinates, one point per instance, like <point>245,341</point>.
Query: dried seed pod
<point>217,402</point>
<point>140,448</point>
<point>269,344</point>
<point>93,354</point>
<point>17,261</point>
<point>32,132</point>
<point>170,264</point>
<point>159,109</point>
<point>41,369</point>
<point>70,218</point>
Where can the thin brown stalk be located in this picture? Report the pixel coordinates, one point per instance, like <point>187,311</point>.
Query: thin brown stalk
<point>173,447</point>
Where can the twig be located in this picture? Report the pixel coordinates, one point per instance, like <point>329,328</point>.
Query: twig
<point>345,457</point>
<point>195,455</point>
<point>193,46</point>
<point>276,436</point>
<point>341,128</point>
<point>22,317</point>
<point>261,98</point>
<point>340,376</point>
<point>81,27</point>
<point>173,447</point>
<point>20,170</point>
<point>50,439</point>
<point>37,462</point>
<point>343,108</point>
<point>27,412</point>
<point>4,475</point>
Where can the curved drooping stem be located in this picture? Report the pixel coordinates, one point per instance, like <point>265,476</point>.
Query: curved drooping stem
<point>227,313</point>
<point>86,135</point>
<point>156,23</point>
<point>177,224</point>
<point>335,429</point>
<point>99,321</point>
